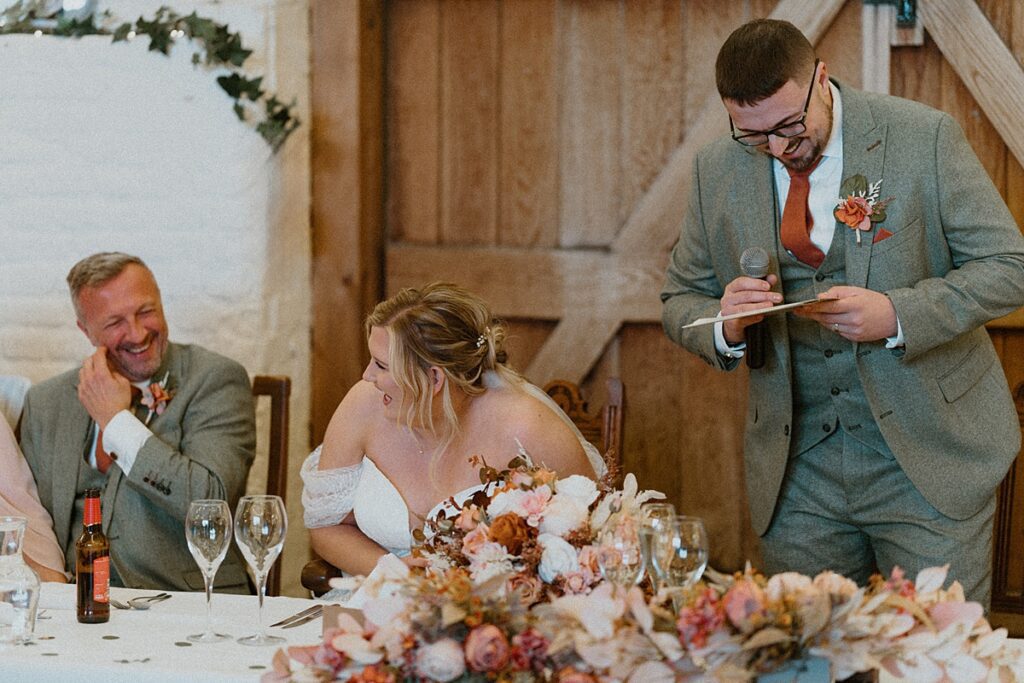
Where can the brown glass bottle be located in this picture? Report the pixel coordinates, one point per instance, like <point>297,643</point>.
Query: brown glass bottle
<point>92,564</point>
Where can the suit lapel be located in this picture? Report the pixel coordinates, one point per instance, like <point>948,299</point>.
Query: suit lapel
<point>863,153</point>
<point>73,436</point>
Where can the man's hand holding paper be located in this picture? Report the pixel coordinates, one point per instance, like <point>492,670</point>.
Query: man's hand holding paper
<point>858,314</point>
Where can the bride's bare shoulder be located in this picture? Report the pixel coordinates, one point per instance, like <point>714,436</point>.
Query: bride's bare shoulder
<point>350,426</point>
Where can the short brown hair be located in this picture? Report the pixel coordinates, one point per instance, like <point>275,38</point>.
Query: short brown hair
<point>759,57</point>
<point>97,269</point>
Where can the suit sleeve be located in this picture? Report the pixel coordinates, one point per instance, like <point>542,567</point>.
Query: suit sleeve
<point>207,455</point>
<point>692,289</point>
<point>985,246</point>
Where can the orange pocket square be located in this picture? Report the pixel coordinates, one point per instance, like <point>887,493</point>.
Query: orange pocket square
<point>882,234</point>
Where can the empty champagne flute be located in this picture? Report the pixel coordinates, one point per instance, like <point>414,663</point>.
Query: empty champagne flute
<point>260,526</point>
<point>208,533</point>
<point>621,552</point>
<point>654,516</point>
<point>682,555</point>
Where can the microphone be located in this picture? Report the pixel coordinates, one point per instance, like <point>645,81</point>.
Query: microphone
<point>754,263</point>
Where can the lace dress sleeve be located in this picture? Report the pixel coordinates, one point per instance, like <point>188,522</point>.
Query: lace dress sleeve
<point>327,495</point>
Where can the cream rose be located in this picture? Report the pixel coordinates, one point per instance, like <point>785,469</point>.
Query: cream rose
<point>559,557</point>
<point>441,661</point>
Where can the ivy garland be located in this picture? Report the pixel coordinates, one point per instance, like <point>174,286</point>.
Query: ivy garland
<point>216,47</point>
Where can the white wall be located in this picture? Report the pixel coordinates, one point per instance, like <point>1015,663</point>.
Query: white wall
<point>111,147</point>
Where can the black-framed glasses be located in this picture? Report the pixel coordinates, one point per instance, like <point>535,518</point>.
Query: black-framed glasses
<point>786,130</point>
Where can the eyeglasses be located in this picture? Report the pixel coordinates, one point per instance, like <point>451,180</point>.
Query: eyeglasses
<point>786,130</point>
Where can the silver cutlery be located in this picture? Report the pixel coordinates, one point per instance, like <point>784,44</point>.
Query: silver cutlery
<point>142,603</point>
<point>299,618</point>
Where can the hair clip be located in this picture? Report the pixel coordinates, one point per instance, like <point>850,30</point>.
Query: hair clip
<point>483,337</point>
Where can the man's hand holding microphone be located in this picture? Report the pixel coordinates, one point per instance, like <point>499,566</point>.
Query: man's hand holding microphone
<point>750,292</point>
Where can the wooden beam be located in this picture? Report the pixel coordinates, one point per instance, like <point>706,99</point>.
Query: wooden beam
<point>983,62</point>
<point>575,343</point>
<point>347,161</point>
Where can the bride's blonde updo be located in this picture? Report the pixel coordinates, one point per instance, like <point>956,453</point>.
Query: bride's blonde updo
<point>443,325</point>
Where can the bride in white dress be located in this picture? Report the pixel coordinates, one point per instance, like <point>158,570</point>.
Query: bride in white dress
<point>436,391</point>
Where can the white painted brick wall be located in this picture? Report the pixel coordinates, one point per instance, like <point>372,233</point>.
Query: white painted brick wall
<point>111,147</point>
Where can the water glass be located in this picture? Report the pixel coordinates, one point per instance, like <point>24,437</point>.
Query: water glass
<point>654,516</point>
<point>621,551</point>
<point>208,534</point>
<point>681,555</point>
<point>260,527</point>
<point>19,585</point>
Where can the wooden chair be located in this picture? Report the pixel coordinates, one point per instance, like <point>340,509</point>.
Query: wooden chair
<point>603,428</point>
<point>279,389</point>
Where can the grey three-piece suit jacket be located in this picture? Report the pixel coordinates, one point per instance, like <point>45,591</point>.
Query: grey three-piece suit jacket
<point>955,261</point>
<point>202,447</point>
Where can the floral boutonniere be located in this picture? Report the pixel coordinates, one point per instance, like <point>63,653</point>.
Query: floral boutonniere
<point>859,205</point>
<point>158,398</point>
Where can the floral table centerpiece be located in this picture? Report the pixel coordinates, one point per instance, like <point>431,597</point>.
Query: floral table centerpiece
<point>513,592</point>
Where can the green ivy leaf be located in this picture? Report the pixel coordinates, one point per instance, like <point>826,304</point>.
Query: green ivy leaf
<point>239,110</point>
<point>121,32</point>
<point>159,32</point>
<point>238,86</point>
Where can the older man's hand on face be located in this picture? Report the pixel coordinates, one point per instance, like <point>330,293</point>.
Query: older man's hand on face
<point>103,392</point>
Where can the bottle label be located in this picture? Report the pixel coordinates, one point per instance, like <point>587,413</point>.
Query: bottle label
<point>101,579</point>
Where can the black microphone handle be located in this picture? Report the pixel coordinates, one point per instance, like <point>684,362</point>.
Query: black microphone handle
<point>757,340</point>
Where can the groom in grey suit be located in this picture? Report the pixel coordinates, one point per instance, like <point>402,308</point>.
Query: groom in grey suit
<point>154,425</point>
<point>880,423</point>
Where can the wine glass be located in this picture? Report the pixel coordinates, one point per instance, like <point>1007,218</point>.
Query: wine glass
<point>208,534</point>
<point>621,552</point>
<point>682,554</point>
<point>654,516</point>
<point>260,526</point>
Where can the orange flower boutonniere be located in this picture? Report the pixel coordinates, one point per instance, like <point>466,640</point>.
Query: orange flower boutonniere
<point>158,398</point>
<point>859,206</point>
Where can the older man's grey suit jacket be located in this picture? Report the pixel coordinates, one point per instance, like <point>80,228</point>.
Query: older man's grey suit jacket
<point>202,447</point>
<point>955,261</point>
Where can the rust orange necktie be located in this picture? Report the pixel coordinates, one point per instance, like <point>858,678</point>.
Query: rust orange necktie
<point>797,220</point>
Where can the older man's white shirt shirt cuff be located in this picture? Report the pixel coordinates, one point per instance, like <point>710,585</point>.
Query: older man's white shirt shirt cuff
<point>125,435</point>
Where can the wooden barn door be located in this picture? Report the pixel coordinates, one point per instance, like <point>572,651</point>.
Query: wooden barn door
<point>538,152</point>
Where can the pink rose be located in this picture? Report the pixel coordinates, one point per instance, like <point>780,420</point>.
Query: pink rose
<point>577,582</point>
<point>468,518</point>
<point>745,605</point>
<point>533,504</point>
<point>475,539</point>
<point>487,649</point>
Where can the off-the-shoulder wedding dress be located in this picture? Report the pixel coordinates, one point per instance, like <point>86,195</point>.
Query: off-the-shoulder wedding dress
<point>379,509</point>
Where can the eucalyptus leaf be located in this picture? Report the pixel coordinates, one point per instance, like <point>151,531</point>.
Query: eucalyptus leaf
<point>121,32</point>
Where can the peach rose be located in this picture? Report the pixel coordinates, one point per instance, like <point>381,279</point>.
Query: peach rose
<point>487,649</point>
<point>475,539</point>
<point>529,588</point>
<point>511,531</point>
<point>468,518</point>
<point>855,212</point>
<point>745,605</point>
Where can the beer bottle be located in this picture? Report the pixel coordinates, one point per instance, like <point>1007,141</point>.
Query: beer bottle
<point>92,564</point>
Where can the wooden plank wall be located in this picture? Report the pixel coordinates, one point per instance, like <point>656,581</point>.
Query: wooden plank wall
<point>540,124</point>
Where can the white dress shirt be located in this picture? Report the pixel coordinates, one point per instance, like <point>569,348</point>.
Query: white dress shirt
<point>825,181</point>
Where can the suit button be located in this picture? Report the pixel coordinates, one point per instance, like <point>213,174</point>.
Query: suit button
<point>828,353</point>
<point>785,430</point>
<point>835,391</point>
<point>819,277</point>
<point>827,428</point>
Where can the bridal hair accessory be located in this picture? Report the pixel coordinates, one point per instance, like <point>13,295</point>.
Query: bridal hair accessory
<point>859,205</point>
<point>483,337</point>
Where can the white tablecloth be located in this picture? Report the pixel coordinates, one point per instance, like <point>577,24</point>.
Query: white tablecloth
<point>150,645</point>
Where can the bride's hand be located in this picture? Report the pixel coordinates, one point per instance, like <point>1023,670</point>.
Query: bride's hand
<point>413,562</point>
